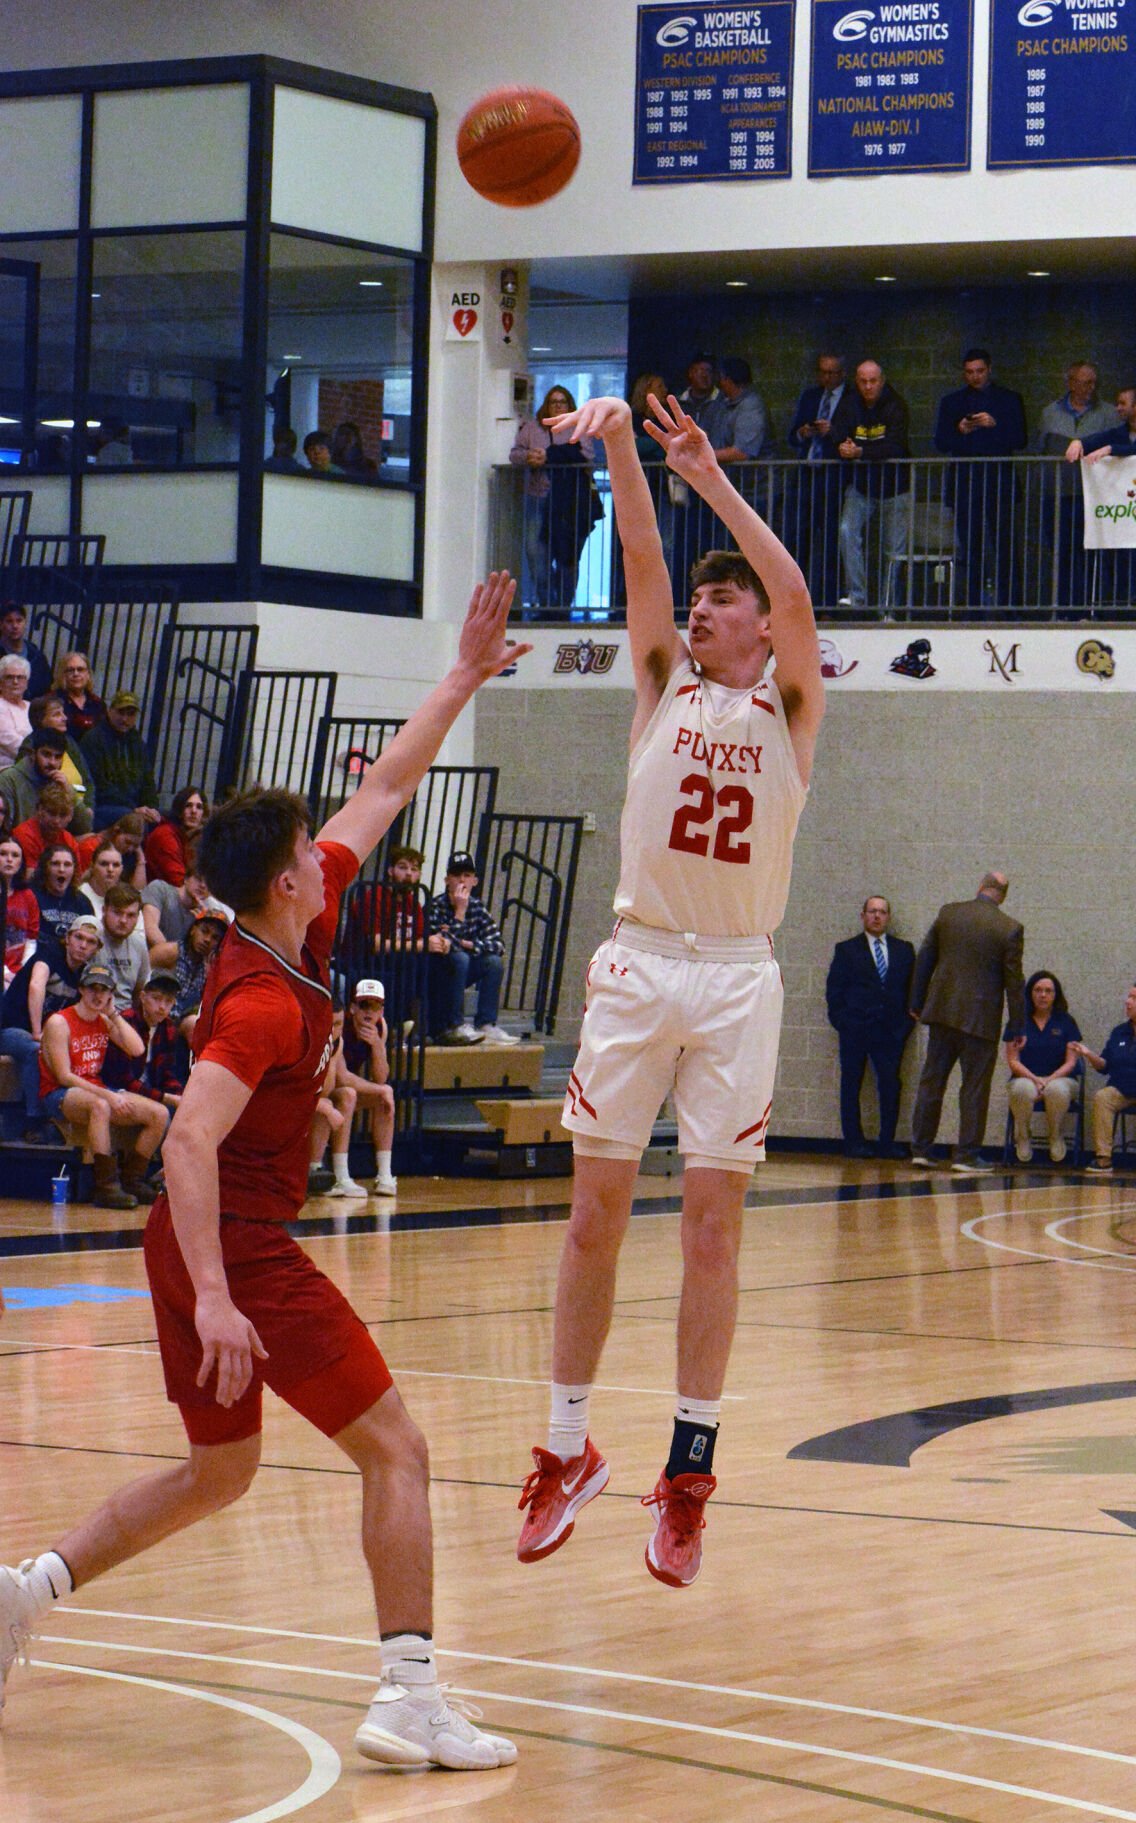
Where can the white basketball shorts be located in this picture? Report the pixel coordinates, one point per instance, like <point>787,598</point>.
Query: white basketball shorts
<point>699,1015</point>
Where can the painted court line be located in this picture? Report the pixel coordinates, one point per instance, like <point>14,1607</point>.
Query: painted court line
<point>324,1764</point>
<point>775,1698</point>
<point>655,1392</point>
<point>1031,1253</point>
<point>807,1748</point>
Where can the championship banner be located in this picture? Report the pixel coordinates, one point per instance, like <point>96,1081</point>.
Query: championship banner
<point>1062,84</point>
<point>890,87</point>
<point>1110,503</point>
<point>713,92</point>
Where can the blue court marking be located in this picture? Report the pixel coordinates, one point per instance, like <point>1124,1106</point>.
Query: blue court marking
<point>28,1297</point>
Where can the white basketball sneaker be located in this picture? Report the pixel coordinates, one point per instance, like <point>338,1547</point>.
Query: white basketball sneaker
<point>424,1728</point>
<point>20,1614</point>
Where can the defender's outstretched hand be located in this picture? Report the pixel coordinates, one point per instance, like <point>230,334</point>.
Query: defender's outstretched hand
<point>595,418</point>
<point>483,646</point>
<point>687,448</point>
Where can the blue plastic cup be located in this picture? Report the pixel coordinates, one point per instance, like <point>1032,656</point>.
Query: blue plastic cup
<point>60,1188</point>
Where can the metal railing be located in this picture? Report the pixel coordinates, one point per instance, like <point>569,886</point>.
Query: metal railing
<point>196,721</point>
<point>935,537</point>
<point>283,731</point>
<point>529,877</point>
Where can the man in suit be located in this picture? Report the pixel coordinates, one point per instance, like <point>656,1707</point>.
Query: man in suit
<point>969,960</point>
<point>867,989</point>
<point>814,501</point>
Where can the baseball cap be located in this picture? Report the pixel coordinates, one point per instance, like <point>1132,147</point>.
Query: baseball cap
<point>96,974</point>
<point>163,981</point>
<point>124,699</point>
<point>86,922</point>
<point>370,990</point>
<point>216,913</point>
<point>461,862</point>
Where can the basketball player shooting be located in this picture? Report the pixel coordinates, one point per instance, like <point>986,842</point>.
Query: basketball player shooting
<point>238,1303</point>
<point>686,994</point>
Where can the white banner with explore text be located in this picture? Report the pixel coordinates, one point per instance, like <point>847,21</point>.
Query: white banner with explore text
<point>1110,503</point>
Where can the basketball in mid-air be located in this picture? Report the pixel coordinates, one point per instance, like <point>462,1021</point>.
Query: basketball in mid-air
<point>518,146</point>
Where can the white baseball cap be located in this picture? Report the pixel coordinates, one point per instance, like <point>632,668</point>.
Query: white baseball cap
<point>369,990</point>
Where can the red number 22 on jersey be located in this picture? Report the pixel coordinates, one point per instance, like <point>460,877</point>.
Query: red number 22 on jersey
<point>689,830</point>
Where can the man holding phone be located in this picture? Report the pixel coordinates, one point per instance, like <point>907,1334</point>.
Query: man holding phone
<point>982,419</point>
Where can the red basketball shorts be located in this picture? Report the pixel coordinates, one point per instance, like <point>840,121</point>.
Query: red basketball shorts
<point>321,1359</point>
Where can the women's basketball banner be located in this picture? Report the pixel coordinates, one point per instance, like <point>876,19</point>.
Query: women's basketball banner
<point>890,87</point>
<point>1062,84</point>
<point>713,92</point>
<point>1110,503</point>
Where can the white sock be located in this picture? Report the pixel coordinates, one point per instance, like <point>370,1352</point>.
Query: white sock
<point>49,1580</point>
<point>568,1420</point>
<point>382,1164</point>
<point>408,1659</point>
<point>339,1167</point>
<point>707,1412</point>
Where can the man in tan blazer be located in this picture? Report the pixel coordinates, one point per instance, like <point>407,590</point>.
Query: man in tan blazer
<point>970,958</point>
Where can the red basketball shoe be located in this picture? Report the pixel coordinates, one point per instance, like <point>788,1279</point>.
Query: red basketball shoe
<point>674,1549</point>
<point>554,1492</point>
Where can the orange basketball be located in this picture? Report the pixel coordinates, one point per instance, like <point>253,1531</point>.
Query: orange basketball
<point>518,146</point>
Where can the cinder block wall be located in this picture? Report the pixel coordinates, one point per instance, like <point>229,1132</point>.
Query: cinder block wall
<point>913,797</point>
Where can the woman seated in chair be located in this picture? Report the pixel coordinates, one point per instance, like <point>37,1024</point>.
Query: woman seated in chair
<point>1044,1065</point>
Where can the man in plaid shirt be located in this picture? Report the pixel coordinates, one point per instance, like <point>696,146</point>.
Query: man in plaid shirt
<point>157,1074</point>
<point>471,955</point>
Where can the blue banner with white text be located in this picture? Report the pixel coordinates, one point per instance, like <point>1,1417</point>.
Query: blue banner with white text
<point>713,92</point>
<point>890,87</point>
<point>1062,84</point>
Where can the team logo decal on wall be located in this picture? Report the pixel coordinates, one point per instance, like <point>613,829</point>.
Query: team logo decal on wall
<point>832,660</point>
<point>1002,664</point>
<point>585,657</point>
<point>1095,658</point>
<point>915,662</point>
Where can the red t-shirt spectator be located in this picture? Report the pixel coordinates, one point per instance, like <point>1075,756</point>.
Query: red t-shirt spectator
<point>21,925</point>
<point>33,842</point>
<point>399,919</point>
<point>86,1048</point>
<point>165,853</point>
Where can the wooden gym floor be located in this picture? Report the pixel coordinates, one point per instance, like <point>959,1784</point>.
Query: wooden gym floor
<point>918,1590</point>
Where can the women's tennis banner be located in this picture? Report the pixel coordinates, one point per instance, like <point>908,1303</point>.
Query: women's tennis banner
<point>1062,83</point>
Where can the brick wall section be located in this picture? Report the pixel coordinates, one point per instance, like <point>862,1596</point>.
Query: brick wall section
<point>912,797</point>
<point>360,401</point>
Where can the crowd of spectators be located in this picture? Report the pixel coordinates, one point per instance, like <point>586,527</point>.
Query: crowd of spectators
<point>338,452</point>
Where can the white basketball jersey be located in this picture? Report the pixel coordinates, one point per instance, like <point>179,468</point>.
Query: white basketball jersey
<point>713,799</point>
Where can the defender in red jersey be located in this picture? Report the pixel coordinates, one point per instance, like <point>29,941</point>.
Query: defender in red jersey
<point>686,995</point>
<point>239,1305</point>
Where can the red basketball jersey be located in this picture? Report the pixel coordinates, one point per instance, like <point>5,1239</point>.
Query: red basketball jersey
<point>270,1025</point>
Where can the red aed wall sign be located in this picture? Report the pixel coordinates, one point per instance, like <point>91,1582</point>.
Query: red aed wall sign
<point>464,322</point>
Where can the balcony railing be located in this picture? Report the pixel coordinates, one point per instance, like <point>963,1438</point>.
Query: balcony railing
<point>931,538</point>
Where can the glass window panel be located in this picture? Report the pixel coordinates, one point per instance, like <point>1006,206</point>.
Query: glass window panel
<point>40,140</point>
<point>170,155</point>
<point>37,279</point>
<point>341,168</point>
<point>163,519</point>
<point>340,339</point>
<point>341,531</point>
<point>166,349</point>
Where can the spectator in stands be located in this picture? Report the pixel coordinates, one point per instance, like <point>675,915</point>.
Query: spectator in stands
<point>557,499</point>
<point>742,423</point>
<point>128,835</point>
<point>869,431</point>
<point>75,1042</point>
<point>22,784</point>
<point>120,763</point>
<point>982,421</point>
<point>387,928</point>
<point>701,398</point>
<point>56,894</point>
<point>109,445</point>
<point>75,690</point>
<point>283,461</point>
<point>41,987</point>
<point>367,1072</point>
<point>815,492</point>
<point>348,454</point>
<point>48,712</point>
<point>156,1073</point>
<point>333,1119</point>
<point>49,822</point>
<point>14,638</point>
<point>194,954</point>
<point>1078,414</point>
<point>124,943</point>
<point>21,912</point>
<point>15,723</point>
<point>167,913</point>
<point>1120,441</point>
<point>317,452</point>
<point>472,955</point>
<point>105,871</point>
<point>1044,1065</point>
<point>169,843</point>
<point>1119,1060</point>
